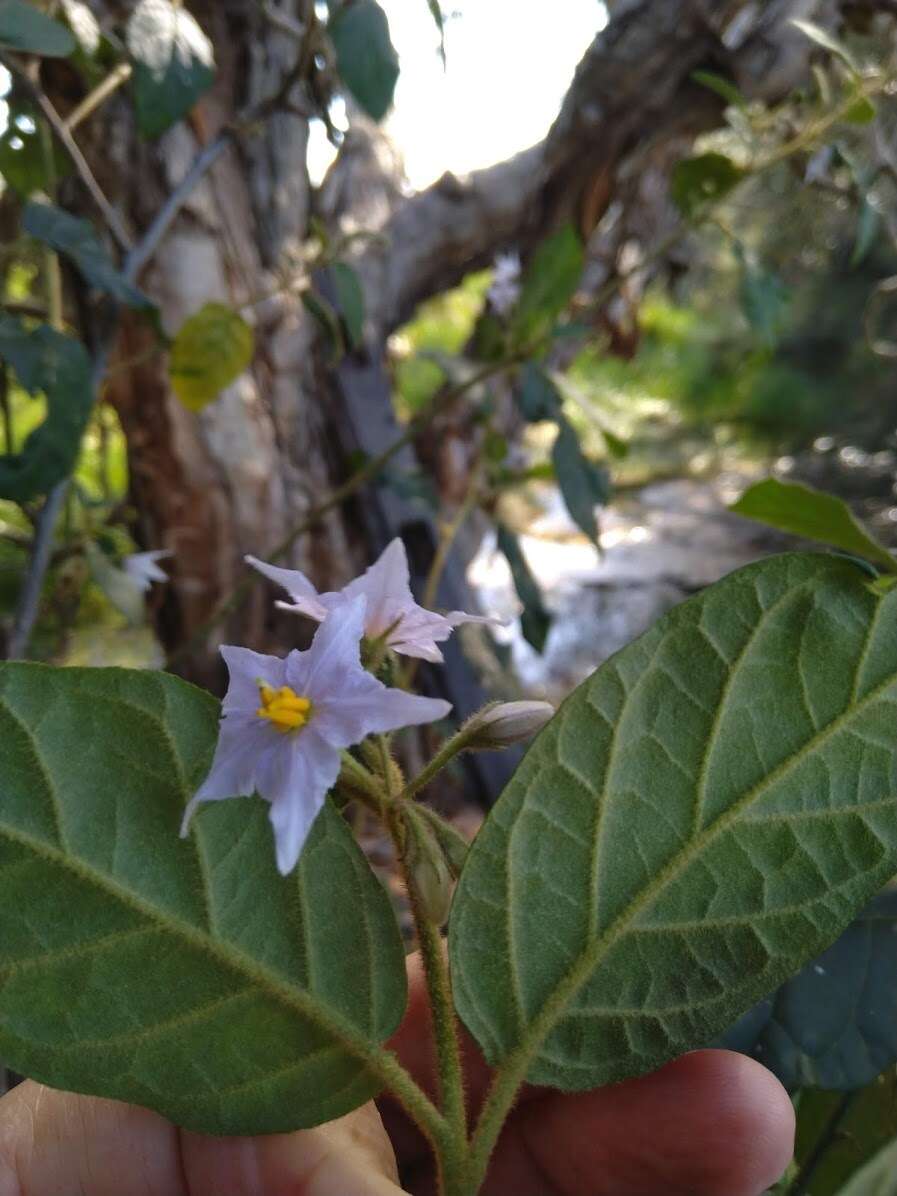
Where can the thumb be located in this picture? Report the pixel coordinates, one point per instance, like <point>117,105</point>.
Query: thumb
<point>352,1154</point>
<point>52,1142</point>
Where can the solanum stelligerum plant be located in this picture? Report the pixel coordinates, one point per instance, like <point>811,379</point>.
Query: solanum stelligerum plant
<point>700,818</point>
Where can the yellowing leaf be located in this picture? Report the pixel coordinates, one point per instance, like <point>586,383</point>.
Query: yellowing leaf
<point>212,349</point>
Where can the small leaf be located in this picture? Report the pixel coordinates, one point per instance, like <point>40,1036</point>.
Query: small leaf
<point>537,396</point>
<point>723,87</point>
<point>832,1025</point>
<point>120,588</point>
<point>365,56</point>
<point>827,41</point>
<point>764,298</point>
<point>174,63</point>
<point>83,24</point>
<point>45,360</point>
<point>23,165</point>
<point>583,483</point>
<point>549,283</point>
<point>801,511</point>
<point>350,299</point>
<point>702,180</point>
<point>702,816</point>
<point>78,240</point>
<point>535,620</point>
<point>324,314</point>
<point>210,351</point>
<point>862,112</point>
<point>868,225</point>
<point>25,29</point>
<point>185,975</point>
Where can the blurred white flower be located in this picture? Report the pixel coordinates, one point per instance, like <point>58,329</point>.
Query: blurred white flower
<point>142,569</point>
<point>285,722</point>
<point>391,609</point>
<point>505,289</point>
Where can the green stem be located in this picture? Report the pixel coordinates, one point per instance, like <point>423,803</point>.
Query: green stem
<point>444,756</point>
<point>451,1157</point>
<point>506,1083</point>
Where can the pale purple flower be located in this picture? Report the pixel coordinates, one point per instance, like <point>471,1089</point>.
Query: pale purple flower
<point>391,609</point>
<point>285,722</point>
<point>142,569</point>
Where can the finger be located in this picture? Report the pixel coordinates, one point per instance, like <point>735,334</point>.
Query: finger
<point>712,1123</point>
<point>53,1143</point>
<point>351,1154</point>
<point>708,1097</point>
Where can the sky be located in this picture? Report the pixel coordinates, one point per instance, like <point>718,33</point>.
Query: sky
<point>509,63</point>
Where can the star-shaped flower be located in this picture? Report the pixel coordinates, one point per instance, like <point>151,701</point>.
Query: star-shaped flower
<point>285,723</point>
<point>391,609</point>
<point>142,569</point>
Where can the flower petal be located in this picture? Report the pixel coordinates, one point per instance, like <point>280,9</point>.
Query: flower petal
<point>368,707</point>
<point>334,658</point>
<point>245,669</point>
<point>386,586</point>
<point>242,742</point>
<point>296,584</point>
<point>296,780</point>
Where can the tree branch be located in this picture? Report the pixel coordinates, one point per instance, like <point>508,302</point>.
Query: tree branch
<point>632,91</point>
<point>66,140</point>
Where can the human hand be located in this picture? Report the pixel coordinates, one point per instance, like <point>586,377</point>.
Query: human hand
<point>709,1124</point>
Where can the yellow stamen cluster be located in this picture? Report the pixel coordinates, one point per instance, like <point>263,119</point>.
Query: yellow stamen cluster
<point>286,710</point>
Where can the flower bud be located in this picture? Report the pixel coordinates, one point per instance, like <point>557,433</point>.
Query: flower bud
<point>503,723</point>
<point>429,868</point>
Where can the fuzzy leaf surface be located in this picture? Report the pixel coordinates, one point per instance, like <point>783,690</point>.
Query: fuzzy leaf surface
<point>702,816</point>
<point>185,975</point>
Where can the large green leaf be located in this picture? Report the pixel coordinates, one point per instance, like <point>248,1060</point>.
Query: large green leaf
<point>174,63</point>
<point>44,360</point>
<point>365,56</point>
<point>834,1024</point>
<point>182,974</point>
<point>78,240</point>
<point>703,815</point>
<point>27,30</point>
<point>813,515</point>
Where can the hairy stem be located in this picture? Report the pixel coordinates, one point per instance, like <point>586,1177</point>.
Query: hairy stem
<point>451,1157</point>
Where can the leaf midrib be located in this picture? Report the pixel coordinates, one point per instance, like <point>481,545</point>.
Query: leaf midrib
<point>588,959</point>
<point>222,953</point>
